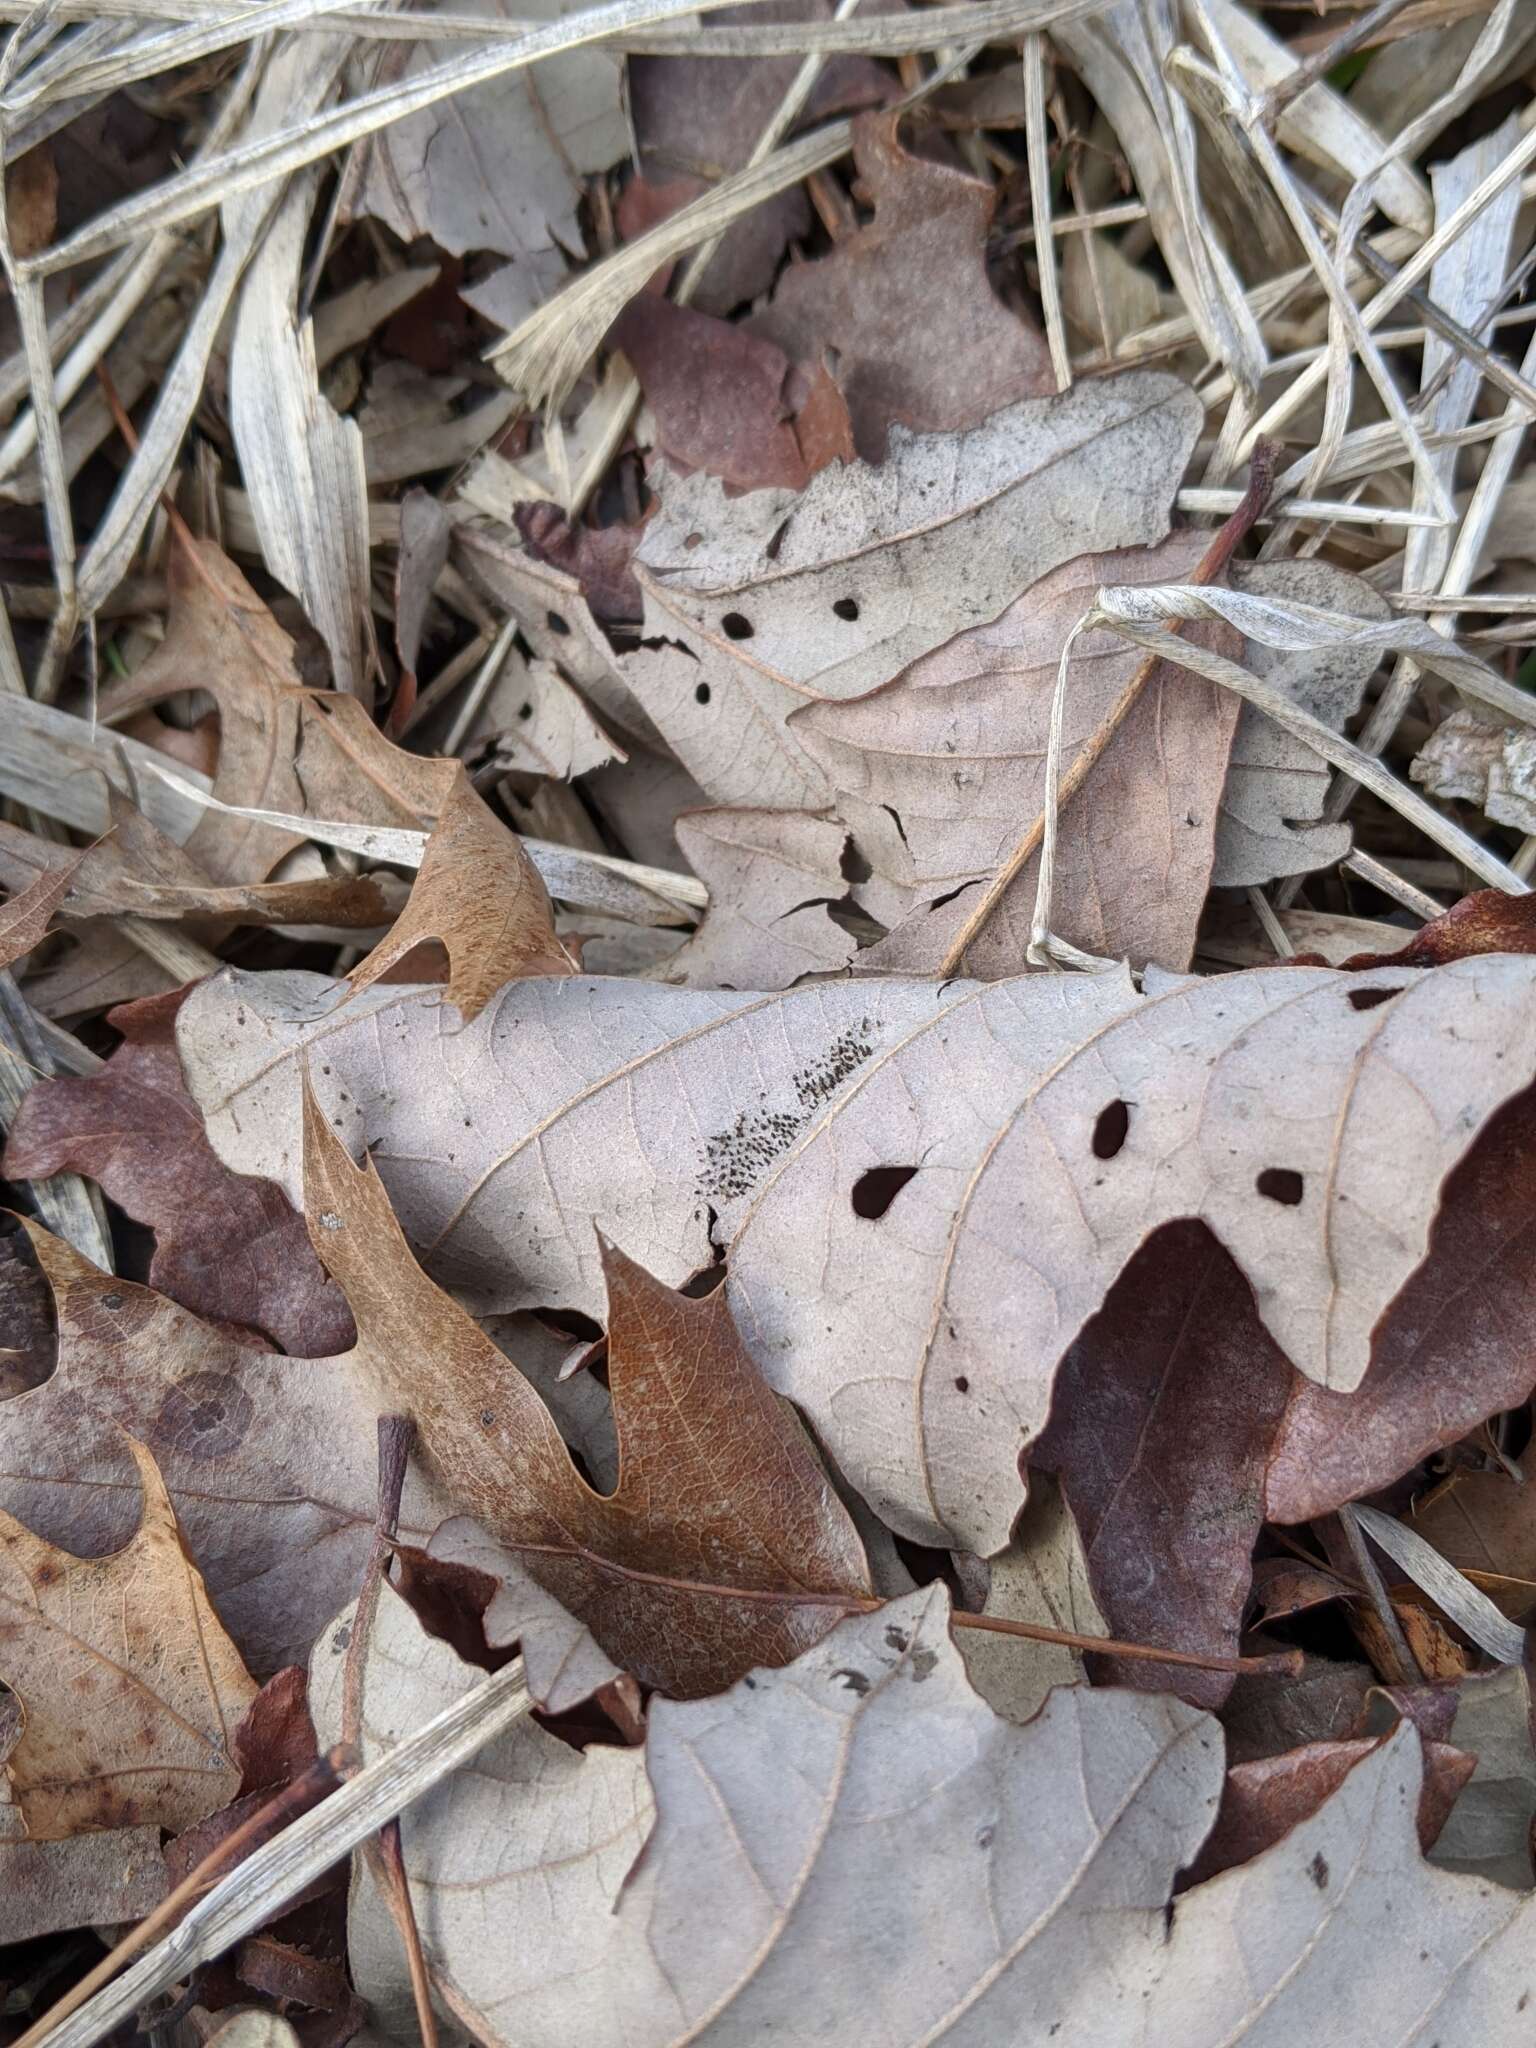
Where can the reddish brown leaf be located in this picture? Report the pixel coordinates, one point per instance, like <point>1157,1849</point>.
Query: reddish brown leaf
<point>919,335</point>
<point>1487,921</point>
<point>726,400</point>
<point>718,1484</point>
<point>1266,1798</point>
<point>599,557</point>
<point>227,1246</point>
<point>26,1316</point>
<point>700,116</point>
<point>1179,1427</point>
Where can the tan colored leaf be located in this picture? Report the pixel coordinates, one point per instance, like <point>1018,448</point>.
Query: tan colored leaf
<point>87,1880</point>
<point>887,1273</point>
<point>271,1463</point>
<point>25,919</point>
<point>480,898</point>
<point>822,1824</point>
<point>965,356</point>
<point>1489,1831</point>
<point>1042,1577</point>
<point>939,775</point>
<point>130,1689</point>
<point>282,747</point>
<point>1473,759</point>
<point>771,876</point>
<point>499,167</point>
<point>767,600</point>
<point>718,1485</point>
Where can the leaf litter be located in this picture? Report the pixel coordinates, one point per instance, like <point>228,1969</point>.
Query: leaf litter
<point>775,772</point>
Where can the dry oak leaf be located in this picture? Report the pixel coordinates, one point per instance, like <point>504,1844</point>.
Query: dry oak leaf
<point>271,1462</point>
<point>130,1689</point>
<point>138,871</point>
<point>480,898</point>
<point>926,1190</point>
<point>84,1881</point>
<point>963,355</point>
<point>282,747</point>
<point>227,1246</point>
<point>757,604</point>
<point>718,1484</point>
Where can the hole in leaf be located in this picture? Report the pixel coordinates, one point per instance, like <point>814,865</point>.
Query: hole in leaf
<point>772,549</point>
<point>1111,1127</point>
<point>525,711</point>
<point>736,626</point>
<point>846,608</point>
<point>1371,998</point>
<point>570,1322</point>
<point>877,1187</point>
<point>855,868</point>
<point>701,693</point>
<point>962,1385</point>
<point>1282,1184</point>
<point>555,623</point>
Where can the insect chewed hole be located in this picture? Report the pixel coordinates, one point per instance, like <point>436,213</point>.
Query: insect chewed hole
<point>962,1384</point>
<point>1110,1128</point>
<point>736,626</point>
<point>877,1187</point>
<point>1371,998</point>
<point>1282,1184</point>
<point>525,711</point>
<point>701,693</point>
<point>846,608</point>
<point>555,623</point>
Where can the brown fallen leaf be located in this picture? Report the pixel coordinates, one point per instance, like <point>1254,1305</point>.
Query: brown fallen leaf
<point>697,118</point>
<point>1487,921</point>
<point>270,1461</point>
<point>227,1246</point>
<point>25,919</point>
<point>1264,1799</point>
<point>729,401</point>
<point>963,356</point>
<point>1483,1522</point>
<point>27,1337</point>
<point>717,1486</point>
<point>136,871</point>
<point>1179,1426</point>
<point>84,1881</point>
<point>282,747</point>
<point>481,899</point>
<point>130,1689</point>
<point>1311,1118</point>
<point>599,557</point>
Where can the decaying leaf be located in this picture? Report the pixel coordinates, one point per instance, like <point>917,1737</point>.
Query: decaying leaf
<point>1474,759</point>
<point>967,356</point>
<point>82,1881</point>
<point>25,919</point>
<point>270,1462</point>
<point>729,401</point>
<point>772,876</point>
<point>940,773</point>
<point>130,1689</point>
<point>718,1486</point>
<point>1309,1118</point>
<point>499,167</point>
<point>226,1246</point>
<point>764,601</point>
<point>481,899</point>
